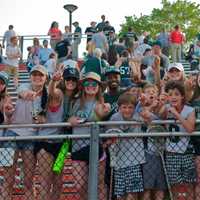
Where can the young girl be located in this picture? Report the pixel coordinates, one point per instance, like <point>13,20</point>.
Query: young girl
<point>179,150</point>
<point>90,107</point>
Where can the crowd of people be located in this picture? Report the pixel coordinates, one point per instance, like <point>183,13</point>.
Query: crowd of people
<point>121,79</point>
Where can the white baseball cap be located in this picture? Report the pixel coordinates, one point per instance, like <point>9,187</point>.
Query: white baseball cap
<point>178,66</point>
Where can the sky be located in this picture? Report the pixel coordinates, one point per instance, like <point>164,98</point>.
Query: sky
<point>35,16</point>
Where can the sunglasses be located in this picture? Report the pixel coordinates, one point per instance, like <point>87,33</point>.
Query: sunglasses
<point>71,79</point>
<point>90,83</point>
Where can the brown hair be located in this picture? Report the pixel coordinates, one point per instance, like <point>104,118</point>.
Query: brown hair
<point>99,96</point>
<point>149,85</point>
<point>127,98</point>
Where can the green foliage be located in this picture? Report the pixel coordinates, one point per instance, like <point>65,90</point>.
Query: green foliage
<point>182,12</point>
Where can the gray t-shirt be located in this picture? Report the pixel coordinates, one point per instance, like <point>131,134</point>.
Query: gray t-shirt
<point>129,151</point>
<point>99,39</point>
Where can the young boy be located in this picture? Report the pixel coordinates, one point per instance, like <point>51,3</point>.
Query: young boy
<point>130,153</point>
<point>153,174</point>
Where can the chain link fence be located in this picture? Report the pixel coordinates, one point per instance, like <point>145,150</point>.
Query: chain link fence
<point>109,162</point>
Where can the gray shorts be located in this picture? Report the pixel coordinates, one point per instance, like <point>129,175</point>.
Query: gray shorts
<point>128,180</point>
<point>153,173</point>
<point>180,168</point>
<point>17,145</point>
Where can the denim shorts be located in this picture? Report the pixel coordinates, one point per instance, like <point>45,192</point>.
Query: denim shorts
<point>17,145</point>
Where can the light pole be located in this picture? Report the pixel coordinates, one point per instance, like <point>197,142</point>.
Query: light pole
<point>70,8</point>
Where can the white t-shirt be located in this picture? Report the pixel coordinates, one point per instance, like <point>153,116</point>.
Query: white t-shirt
<point>12,51</point>
<point>7,35</point>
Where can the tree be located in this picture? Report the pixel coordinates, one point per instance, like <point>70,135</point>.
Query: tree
<point>182,12</point>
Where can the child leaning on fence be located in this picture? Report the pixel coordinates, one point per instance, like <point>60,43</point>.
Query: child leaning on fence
<point>179,149</point>
<point>153,174</point>
<point>129,152</point>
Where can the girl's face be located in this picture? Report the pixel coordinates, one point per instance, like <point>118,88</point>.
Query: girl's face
<point>175,98</point>
<point>175,75</point>
<point>70,83</point>
<point>91,87</point>
<point>38,79</point>
<point>2,85</point>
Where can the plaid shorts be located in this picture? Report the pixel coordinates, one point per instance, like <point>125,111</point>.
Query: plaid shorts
<point>180,168</point>
<point>128,180</point>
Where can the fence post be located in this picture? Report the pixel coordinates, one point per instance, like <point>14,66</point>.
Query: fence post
<point>93,163</point>
<point>21,44</point>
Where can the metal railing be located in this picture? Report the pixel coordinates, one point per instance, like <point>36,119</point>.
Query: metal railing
<point>95,136</point>
<point>27,40</point>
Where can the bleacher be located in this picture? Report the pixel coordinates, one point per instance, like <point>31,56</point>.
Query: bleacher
<point>68,189</point>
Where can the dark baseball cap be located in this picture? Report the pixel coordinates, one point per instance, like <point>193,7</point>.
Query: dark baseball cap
<point>112,70</point>
<point>71,72</point>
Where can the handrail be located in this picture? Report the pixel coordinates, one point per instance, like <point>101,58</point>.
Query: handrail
<point>101,123</point>
<point>101,135</point>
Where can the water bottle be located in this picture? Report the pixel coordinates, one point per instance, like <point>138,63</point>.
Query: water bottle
<point>60,160</point>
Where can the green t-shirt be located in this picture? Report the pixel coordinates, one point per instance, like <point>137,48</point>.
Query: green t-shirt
<point>95,65</point>
<point>112,100</point>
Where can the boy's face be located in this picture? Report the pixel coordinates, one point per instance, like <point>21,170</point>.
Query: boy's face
<point>150,94</point>
<point>175,98</point>
<point>127,111</point>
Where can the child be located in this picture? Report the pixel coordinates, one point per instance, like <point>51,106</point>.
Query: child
<point>127,171</point>
<point>179,150</point>
<point>13,54</point>
<point>51,64</point>
<point>154,179</point>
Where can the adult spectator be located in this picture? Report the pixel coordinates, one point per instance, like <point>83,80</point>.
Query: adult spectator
<point>113,87</point>
<point>7,36</point>
<point>44,52</point>
<point>95,64</point>
<point>111,38</point>
<point>141,37</point>
<point>139,51</point>
<point>77,40</point>
<point>125,68</point>
<point>149,60</point>
<point>63,50</point>
<point>130,37</point>
<point>163,38</point>
<point>119,45</point>
<point>100,41</point>
<point>101,25</point>
<point>176,39</point>
<point>90,107</point>
<point>30,108</point>
<point>112,56</point>
<point>55,34</point>
<point>195,56</point>
<point>90,31</point>
<point>67,35</point>
<point>69,62</point>
<point>108,28</point>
